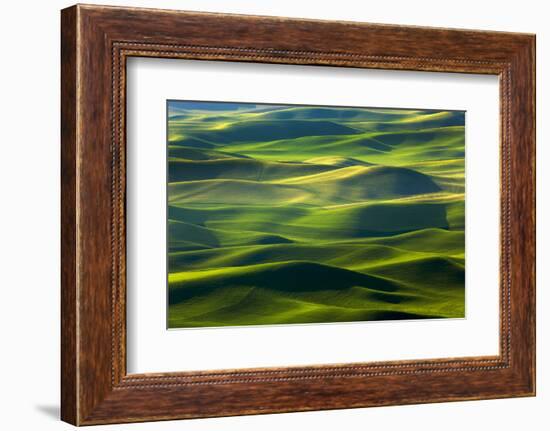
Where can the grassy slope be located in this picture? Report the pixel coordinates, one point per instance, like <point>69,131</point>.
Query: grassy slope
<point>306,214</point>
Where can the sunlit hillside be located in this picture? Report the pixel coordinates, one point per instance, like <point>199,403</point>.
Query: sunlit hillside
<point>300,214</point>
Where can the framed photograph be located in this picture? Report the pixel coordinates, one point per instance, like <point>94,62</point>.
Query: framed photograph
<point>265,215</point>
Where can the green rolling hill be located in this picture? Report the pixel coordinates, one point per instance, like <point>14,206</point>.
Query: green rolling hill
<point>299,214</point>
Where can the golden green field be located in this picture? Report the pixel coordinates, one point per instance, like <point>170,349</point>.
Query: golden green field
<point>282,214</point>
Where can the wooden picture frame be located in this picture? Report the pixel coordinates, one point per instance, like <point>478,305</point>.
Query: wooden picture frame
<point>96,41</point>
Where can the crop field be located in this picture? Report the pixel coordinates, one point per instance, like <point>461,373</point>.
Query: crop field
<point>282,214</point>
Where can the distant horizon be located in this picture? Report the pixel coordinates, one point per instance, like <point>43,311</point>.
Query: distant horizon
<point>215,105</point>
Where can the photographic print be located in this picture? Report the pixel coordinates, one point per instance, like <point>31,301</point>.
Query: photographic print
<point>295,214</point>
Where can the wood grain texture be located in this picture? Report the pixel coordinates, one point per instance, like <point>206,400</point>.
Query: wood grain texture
<point>96,41</point>
<point>69,396</point>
